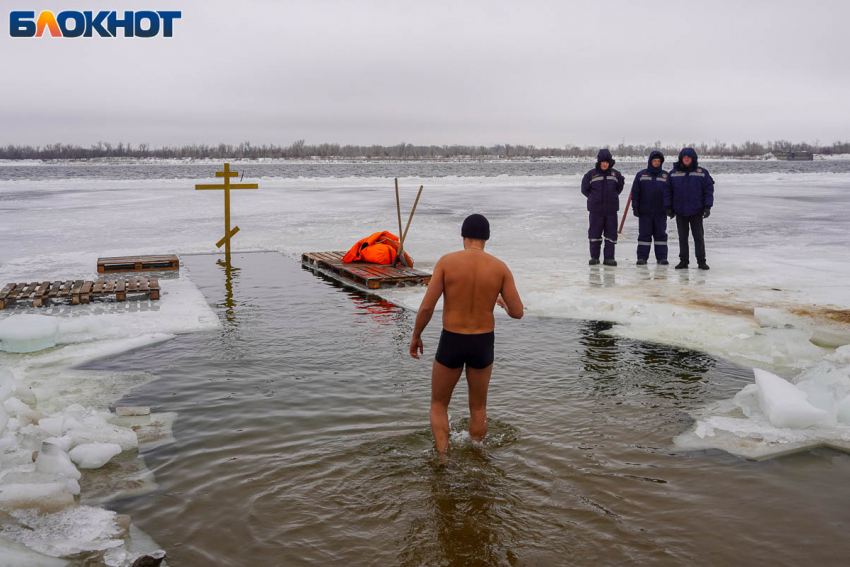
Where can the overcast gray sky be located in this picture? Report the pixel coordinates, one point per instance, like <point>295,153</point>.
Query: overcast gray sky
<point>478,72</point>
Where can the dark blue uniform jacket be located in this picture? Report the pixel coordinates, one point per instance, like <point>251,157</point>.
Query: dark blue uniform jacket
<point>648,188</point>
<point>603,188</point>
<point>689,190</point>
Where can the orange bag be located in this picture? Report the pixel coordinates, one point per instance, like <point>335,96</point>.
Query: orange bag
<point>378,248</point>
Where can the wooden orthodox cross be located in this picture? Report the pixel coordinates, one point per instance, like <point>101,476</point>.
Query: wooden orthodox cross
<point>227,186</point>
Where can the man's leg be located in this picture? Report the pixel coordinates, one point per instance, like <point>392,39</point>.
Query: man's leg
<point>594,234</point>
<point>478,381</point>
<point>443,381</point>
<point>644,236</point>
<point>699,237</point>
<point>659,231</point>
<point>610,235</point>
<point>684,233</point>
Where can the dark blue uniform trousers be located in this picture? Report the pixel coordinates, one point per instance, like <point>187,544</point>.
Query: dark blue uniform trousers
<point>599,224</point>
<point>652,226</point>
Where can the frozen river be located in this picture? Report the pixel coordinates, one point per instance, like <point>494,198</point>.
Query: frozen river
<point>583,456</point>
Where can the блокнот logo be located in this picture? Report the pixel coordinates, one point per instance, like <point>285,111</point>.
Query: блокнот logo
<point>71,23</point>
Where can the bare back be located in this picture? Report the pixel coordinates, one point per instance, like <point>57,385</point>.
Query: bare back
<point>472,282</point>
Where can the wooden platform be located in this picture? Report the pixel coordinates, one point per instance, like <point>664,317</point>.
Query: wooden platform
<point>78,291</point>
<point>138,263</point>
<point>371,276</point>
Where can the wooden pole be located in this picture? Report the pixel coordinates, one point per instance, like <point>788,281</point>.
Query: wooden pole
<point>400,255</point>
<point>398,207</point>
<point>411,215</point>
<point>227,212</point>
<point>626,212</point>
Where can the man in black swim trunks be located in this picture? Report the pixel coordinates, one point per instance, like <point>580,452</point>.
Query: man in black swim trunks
<point>472,283</point>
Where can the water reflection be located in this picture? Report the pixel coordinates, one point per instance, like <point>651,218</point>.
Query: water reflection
<point>469,516</point>
<point>371,309</point>
<point>228,306</point>
<point>602,277</point>
<point>621,367</point>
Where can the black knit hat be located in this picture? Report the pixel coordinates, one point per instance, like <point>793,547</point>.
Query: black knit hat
<point>476,227</point>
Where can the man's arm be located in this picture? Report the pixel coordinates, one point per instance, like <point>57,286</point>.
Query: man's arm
<point>621,181</point>
<point>509,298</point>
<point>708,191</point>
<point>426,309</point>
<point>585,185</point>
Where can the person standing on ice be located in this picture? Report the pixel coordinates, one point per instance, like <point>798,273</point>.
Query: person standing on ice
<point>648,206</point>
<point>602,186</point>
<point>689,196</point>
<point>472,283</point>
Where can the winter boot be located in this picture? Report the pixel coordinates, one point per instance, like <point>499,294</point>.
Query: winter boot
<point>610,262</point>
<point>703,265</point>
<point>682,265</point>
<point>641,262</point>
<point>593,261</point>
<point>663,262</point>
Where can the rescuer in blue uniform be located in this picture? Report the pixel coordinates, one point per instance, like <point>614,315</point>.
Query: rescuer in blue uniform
<point>648,205</point>
<point>602,186</point>
<point>689,196</point>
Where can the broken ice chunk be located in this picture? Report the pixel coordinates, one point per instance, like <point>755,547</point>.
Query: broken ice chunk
<point>53,460</point>
<point>7,384</point>
<point>28,333</point>
<point>15,406</point>
<point>94,455</point>
<point>41,497</point>
<point>784,404</point>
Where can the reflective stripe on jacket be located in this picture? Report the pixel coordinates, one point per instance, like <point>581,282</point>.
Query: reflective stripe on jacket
<point>602,189</point>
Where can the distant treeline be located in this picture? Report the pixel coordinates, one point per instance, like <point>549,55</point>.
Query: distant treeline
<point>300,149</point>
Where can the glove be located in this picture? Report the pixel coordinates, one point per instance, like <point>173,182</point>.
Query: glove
<point>636,213</point>
<point>669,211</point>
<point>706,212</point>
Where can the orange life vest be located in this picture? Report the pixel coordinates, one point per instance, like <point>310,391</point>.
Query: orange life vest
<point>378,248</point>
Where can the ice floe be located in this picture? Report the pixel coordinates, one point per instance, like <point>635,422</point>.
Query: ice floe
<point>775,417</point>
<point>28,333</point>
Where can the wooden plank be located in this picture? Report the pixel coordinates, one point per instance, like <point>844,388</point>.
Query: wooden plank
<point>143,285</point>
<point>29,290</point>
<point>98,287</point>
<point>54,289</point>
<point>85,292</point>
<point>7,290</point>
<point>154,288</point>
<point>65,290</point>
<point>109,286</point>
<point>42,289</point>
<point>131,284</point>
<point>120,294</point>
<point>75,292</point>
<point>15,294</point>
<point>138,263</point>
<point>330,258</point>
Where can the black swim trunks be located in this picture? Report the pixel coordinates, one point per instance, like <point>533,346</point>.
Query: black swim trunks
<point>456,349</point>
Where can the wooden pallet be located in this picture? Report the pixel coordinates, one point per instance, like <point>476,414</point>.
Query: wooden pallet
<point>138,263</point>
<point>78,291</point>
<point>371,276</point>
